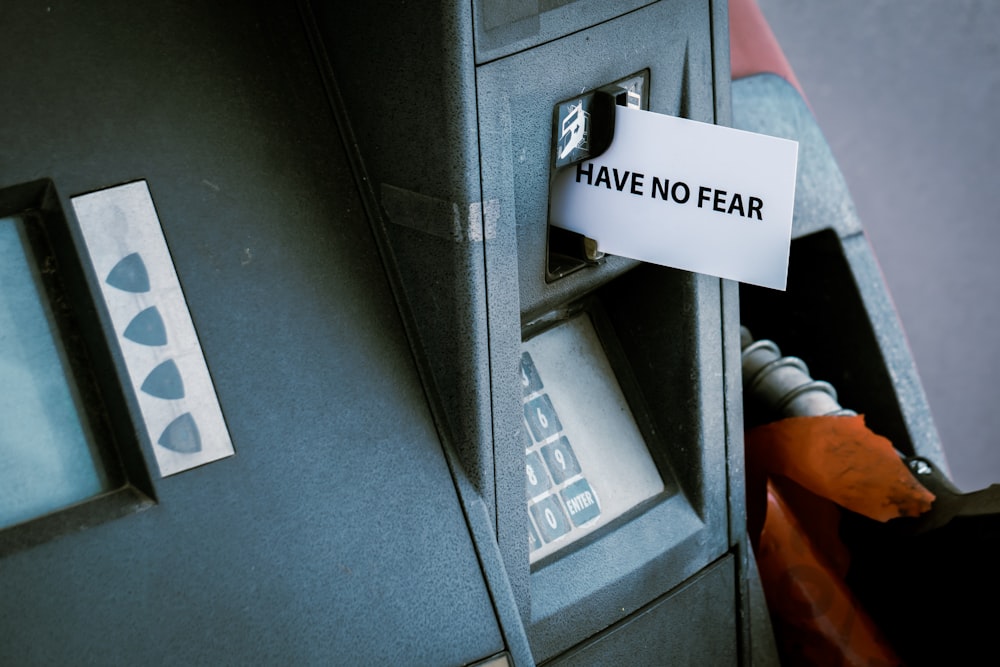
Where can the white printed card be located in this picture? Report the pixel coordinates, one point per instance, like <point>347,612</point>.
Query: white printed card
<point>685,194</point>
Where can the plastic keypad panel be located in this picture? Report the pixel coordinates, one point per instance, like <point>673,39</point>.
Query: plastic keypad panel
<point>586,462</point>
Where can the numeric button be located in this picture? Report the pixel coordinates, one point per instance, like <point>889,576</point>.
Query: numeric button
<point>538,480</point>
<point>550,518</point>
<point>541,418</point>
<point>561,460</point>
<point>530,380</point>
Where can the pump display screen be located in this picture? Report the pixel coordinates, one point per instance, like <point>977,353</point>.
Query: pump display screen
<point>585,459</point>
<point>48,458</point>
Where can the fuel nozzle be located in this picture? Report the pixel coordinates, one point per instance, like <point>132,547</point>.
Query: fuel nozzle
<point>782,383</point>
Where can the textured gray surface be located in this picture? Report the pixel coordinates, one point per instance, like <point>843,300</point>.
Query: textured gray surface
<point>335,535</point>
<point>816,309</point>
<point>703,601</point>
<point>516,96</point>
<point>906,94</point>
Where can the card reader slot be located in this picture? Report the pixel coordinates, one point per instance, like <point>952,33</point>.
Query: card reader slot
<point>583,128</point>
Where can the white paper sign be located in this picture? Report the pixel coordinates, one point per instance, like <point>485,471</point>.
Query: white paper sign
<point>685,194</point>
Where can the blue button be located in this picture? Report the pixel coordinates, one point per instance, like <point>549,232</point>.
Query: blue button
<point>561,460</point>
<point>541,418</point>
<point>530,380</point>
<point>147,328</point>
<point>129,274</point>
<point>538,481</point>
<point>181,435</point>
<point>164,381</point>
<point>551,520</point>
<point>581,502</point>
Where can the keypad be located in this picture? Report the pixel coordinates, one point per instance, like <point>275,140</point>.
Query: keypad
<point>560,499</point>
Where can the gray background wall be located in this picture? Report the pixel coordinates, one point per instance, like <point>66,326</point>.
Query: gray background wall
<point>907,93</point>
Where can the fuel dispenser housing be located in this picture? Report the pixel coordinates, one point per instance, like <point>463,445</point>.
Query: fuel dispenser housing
<point>471,251</point>
<point>354,197</point>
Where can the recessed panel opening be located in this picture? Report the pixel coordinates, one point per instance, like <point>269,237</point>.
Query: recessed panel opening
<point>587,462</point>
<point>50,458</point>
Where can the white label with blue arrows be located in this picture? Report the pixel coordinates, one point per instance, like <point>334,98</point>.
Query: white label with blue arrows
<point>155,332</point>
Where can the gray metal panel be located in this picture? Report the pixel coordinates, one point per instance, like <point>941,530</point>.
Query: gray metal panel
<point>870,338</point>
<point>690,626</point>
<point>590,589</point>
<point>517,95</point>
<point>626,566</point>
<point>504,27</point>
<point>334,535</point>
<point>450,259</point>
<point>768,104</point>
<point>453,250</point>
<point>407,94</point>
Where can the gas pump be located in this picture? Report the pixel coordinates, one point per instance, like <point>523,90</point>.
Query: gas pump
<point>349,397</point>
<point>611,384</point>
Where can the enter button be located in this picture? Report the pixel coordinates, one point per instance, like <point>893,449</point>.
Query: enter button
<point>581,502</point>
